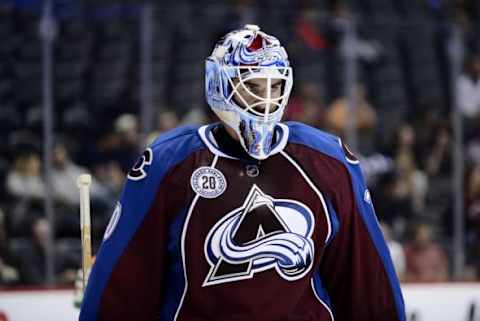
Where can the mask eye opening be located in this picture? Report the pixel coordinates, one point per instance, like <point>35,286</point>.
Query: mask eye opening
<point>237,76</point>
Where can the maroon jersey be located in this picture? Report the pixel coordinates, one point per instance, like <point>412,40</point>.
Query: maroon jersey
<point>202,232</point>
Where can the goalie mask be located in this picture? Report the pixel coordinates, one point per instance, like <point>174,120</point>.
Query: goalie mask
<point>247,85</point>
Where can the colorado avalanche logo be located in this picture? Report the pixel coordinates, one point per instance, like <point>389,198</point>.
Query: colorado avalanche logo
<point>264,233</point>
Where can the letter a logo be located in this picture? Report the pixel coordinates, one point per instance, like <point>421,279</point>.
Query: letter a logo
<point>264,233</point>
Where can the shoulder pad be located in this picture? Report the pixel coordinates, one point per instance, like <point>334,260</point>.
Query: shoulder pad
<point>168,149</point>
<point>321,141</point>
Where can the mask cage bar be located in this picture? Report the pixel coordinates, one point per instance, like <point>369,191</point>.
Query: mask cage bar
<point>254,72</point>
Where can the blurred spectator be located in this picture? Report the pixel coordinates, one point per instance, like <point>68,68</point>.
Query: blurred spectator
<point>32,258</point>
<point>8,272</point>
<point>110,175</point>
<point>338,117</point>
<point>468,88</point>
<point>411,183</point>
<point>473,218</point>
<point>400,194</point>
<point>66,195</point>
<point>391,206</point>
<point>25,180</point>
<point>26,186</point>
<point>126,126</point>
<point>396,251</point>
<point>438,159</point>
<point>426,259</point>
<point>338,113</point>
<point>473,150</point>
<point>121,145</point>
<point>64,179</point>
<point>466,18</point>
<point>307,32</point>
<point>307,106</point>
<point>167,120</point>
<point>126,147</point>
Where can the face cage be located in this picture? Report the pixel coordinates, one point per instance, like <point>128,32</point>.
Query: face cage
<point>246,73</point>
<point>255,129</point>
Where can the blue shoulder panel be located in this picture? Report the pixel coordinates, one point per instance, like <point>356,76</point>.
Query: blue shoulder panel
<point>331,146</point>
<point>137,196</point>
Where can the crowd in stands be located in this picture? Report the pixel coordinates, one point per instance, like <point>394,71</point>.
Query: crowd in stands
<point>403,113</point>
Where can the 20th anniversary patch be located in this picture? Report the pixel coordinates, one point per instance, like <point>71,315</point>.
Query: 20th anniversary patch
<point>208,182</point>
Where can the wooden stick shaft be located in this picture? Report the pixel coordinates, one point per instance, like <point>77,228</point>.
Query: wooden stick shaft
<point>83,183</point>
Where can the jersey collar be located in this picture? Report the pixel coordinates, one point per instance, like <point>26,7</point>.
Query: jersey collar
<point>208,138</point>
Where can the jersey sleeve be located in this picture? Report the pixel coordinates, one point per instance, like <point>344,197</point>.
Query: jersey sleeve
<point>356,268</point>
<point>127,279</point>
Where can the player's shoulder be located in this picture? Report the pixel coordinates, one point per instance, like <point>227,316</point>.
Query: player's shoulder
<point>174,136</point>
<point>300,133</point>
<point>305,133</point>
<point>167,150</point>
<point>320,141</point>
<point>177,142</point>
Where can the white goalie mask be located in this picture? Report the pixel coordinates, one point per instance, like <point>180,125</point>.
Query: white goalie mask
<point>247,84</point>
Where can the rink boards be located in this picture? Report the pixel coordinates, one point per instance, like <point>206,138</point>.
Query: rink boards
<point>429,302</point>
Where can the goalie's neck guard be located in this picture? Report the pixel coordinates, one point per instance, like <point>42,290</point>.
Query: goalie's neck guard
<point>207,136</point>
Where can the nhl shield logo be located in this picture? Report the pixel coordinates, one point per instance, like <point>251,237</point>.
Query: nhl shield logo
<point>208,182</point>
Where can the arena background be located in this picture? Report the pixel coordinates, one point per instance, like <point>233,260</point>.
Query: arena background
<point>85,85</point>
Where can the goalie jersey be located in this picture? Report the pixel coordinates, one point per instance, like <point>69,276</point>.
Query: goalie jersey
<point>202,232</point>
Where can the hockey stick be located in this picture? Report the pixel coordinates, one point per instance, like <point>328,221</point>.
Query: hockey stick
<point>83,182</point>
